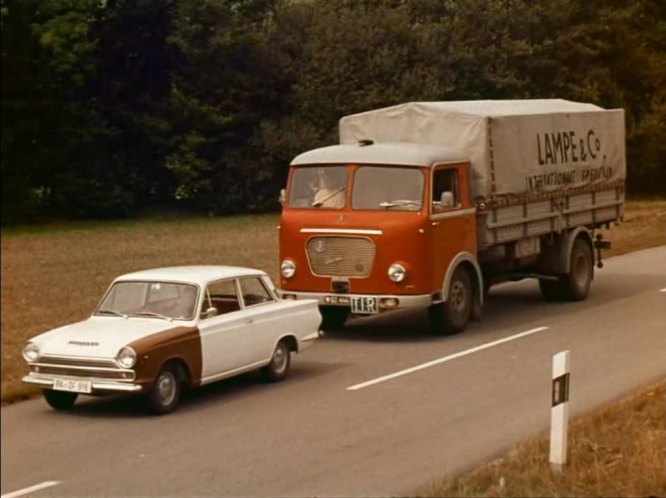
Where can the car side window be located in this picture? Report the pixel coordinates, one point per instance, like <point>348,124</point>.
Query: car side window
<point>255,292</point>
<point>445,190</point>
<point>223,296</point>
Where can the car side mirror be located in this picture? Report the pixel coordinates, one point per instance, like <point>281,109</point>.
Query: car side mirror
<point>446,200</point>
<point>209,313</point>
<point>283,196</point>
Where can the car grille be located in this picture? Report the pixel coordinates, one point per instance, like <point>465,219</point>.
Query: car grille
<point>81,367</point>
<point>332,256</point>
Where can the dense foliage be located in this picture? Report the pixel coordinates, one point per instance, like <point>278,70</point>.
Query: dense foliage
<point>110,107</point>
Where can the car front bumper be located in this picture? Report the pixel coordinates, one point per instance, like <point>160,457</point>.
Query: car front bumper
<point>99,386</point>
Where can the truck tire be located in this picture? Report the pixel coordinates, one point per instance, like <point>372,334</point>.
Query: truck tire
<point>333,317</point>
<point>575,285</point>
<point>452,316</point>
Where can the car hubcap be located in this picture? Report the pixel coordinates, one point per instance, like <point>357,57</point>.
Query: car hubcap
<point>458,297</point>
<point>280,359</point>
<point>166,387</point>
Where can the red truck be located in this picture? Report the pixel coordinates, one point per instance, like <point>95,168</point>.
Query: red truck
<point>428,204</point>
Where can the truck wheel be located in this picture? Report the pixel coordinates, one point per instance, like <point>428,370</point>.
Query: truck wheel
<point>575,285</point>
<point>165,393</point>
<point>278,368</point>
<point>452,316</point>
<point>59,400</point>
<point>551,290</point>
<point>333,317</point>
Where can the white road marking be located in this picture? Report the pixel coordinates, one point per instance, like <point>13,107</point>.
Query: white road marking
<point>31,489</point>
<point>444,359</point>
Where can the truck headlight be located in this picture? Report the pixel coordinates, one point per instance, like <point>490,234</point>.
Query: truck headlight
<point>126,357</point>
<point>397,272</point>
<point>30,352</point>
<point>288,268</point>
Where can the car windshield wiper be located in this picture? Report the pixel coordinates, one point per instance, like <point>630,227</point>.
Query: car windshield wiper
<point>399,202</point>
<point>152,313</point>
<point>112,312</point>
<point>320,202</point>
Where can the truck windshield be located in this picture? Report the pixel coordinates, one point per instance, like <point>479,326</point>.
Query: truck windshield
<point>318,187</point>
<point>388,188</point>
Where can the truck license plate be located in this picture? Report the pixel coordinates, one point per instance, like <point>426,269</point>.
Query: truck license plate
<point>73,386</point>
<point>364,305</point>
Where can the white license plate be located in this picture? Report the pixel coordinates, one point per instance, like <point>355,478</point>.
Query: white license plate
<point>364,305</point>
<point>73,386</point>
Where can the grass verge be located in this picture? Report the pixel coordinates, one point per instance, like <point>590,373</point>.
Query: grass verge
<point>55,274</point>
<point>618,450</point>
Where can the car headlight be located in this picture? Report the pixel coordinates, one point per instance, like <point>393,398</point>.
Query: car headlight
<point>30,351</point>
<point>288,268</point>
<point>126,357</point>
<point>397,272</point>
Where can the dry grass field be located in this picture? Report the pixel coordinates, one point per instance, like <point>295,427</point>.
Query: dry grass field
<point>53,275</point>
<point>618,450</point>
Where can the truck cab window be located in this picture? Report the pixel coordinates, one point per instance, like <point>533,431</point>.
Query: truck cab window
<point>318,187</point>
<point>445,190</point>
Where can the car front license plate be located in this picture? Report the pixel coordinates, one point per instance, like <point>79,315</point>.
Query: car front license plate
<point>73,386</point>
<point>364,305</point>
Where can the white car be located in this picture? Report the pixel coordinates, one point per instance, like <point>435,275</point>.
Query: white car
<point>158,331</point>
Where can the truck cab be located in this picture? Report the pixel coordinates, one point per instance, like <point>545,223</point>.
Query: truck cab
<point>373,227</point>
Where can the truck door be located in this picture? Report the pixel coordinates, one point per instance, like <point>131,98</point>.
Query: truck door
<point>452,218</point>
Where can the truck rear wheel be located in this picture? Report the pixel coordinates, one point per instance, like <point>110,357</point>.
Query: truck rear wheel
<point>452,316</point>
<point>333,317</point>
<point>575,285</point>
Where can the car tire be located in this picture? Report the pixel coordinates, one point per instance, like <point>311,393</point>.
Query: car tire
<point>278,368</point>
<point>333,317</point>
<point>453,315</point>
<point>165,392</point>
<point>59,400</point>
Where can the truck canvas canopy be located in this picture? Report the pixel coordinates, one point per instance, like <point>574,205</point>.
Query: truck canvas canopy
<point>516,147</point>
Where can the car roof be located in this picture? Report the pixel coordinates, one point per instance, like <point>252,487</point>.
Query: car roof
<point>200,274</point>
<point>389,153</point>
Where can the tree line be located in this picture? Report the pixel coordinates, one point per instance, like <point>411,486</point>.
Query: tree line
<point>112,107</point>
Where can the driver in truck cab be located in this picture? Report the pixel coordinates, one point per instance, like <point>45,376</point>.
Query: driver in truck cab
<point>329,190</point>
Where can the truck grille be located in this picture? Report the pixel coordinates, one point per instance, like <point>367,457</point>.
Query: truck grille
<point>332,256</point>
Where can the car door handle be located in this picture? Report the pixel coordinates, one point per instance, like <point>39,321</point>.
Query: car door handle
<point>248,320</point>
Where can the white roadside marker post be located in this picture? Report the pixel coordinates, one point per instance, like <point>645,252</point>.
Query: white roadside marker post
<point>559,414</point>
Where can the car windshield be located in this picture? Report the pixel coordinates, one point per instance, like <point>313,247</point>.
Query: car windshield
<point>160,300</point>
<point>388,188</point>
<point>318,187</point>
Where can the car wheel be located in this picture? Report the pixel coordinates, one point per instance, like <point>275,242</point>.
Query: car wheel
<point>165,393</point>
<point>333,317</point>
<point>452,316</point>
<point>59,400</point>
<point>278,368</point>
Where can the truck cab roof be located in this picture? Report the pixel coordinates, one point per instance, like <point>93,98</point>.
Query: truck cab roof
<point>388,153</point>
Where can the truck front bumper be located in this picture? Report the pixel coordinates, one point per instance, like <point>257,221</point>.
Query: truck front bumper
<point>99,386</point>
<point>386,302</point>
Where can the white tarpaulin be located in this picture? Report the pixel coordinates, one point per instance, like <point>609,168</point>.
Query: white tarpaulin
<point>515,146</point>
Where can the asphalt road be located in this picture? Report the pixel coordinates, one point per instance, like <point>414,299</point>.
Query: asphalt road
<point>312,435</point>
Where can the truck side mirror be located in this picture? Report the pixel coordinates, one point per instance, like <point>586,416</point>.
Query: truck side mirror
<point>446,200</point>
<point>283,196</point>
